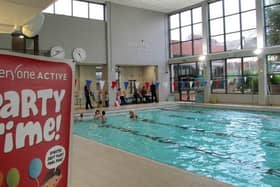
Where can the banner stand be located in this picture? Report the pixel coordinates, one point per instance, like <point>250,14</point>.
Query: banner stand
<point>36,117</point>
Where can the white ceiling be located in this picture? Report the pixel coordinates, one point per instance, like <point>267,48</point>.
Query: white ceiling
<point>19,12</point>
<point>165,6</point>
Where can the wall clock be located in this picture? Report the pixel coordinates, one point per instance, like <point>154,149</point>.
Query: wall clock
<point>79,55</point>
<point>57,52</point>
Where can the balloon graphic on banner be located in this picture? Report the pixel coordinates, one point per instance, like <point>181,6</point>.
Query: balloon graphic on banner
<point>88,82</point>
<point>147,84</point>
<point>191,84</point>
<point>13,177</point>
<point>114,84</point>
<point>102,82</point>
<point>157,84</point>
<point>1,178</point>
<point>211,82</point>
<point>35,168</point>
<point>125,84</point>
<point>223,82</point>
<point>137,84</point>
<point>245,79</point>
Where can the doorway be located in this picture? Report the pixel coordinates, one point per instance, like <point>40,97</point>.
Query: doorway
<point>186,88</point>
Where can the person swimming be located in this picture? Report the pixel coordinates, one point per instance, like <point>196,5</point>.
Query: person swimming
<point>97,114</point>
<point>103,117</point>
<point>132,114</point>
<point>81,116</point>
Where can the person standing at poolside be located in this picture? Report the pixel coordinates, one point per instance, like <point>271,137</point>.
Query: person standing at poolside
<point>87,96</point>
<point>153,92</point>
<point>118,96</point>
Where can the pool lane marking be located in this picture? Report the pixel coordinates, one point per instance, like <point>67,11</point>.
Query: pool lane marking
<point>271,144</point>
<point>275,172</point>
<point>163,140</point>
<point>268,143</point>
<point>270,171</point>
<point>216,121</point>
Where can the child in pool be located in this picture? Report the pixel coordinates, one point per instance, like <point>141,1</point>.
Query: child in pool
<point>81,116</point>
<point>132,115</point>
<point>52,178</point>
<point>103,116</point>
<point>97,114</point>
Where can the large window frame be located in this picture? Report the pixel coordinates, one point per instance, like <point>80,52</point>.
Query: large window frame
<point>225,82</point>
<point>273,74</point>
<point>52,10</point>
<point>184,70</point>
<point>226,33</point>
<point>187,23</point>
<point>269,25</point>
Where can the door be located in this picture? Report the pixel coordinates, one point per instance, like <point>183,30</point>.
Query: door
<point>186,88</point>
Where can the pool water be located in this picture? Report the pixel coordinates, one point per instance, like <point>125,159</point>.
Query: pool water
<point>241,148</point>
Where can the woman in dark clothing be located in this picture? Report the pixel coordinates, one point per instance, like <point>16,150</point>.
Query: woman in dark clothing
<point>87,96</point>
<point>153,92</point>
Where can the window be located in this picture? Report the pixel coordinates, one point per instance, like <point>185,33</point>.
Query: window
<point>174,77</point>
<point>96,11</point>
<point>232,25</point>
<point>98,75</point>
<point>63,7</point>
<point>80,9</point>
<point>184,76</point>
<point>272,22</point>
<point>273,74</point>
<point>235,75</point>
<point>77,8</point>
<point>250,75</point>
<point>185,30</point>
<point>218,76</point>
<point>49,9</point>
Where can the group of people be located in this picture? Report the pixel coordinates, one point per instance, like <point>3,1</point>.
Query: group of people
<point>99,99</point>
<point>102,115</point>
<point>120,97</point>
<point>143,94</point>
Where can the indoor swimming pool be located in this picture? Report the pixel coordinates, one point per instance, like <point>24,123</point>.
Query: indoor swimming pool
<point>241,148</point>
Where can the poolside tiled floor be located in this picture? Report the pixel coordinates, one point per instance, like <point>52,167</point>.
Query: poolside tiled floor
<point>98,165</point>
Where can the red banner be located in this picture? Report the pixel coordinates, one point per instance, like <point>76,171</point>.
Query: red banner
<point>35,120</point>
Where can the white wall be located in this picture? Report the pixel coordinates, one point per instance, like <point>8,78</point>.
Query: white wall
<point>72,32</point>
<point>150,74</point>
<point>86,73</point>
<point>138,37</point>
